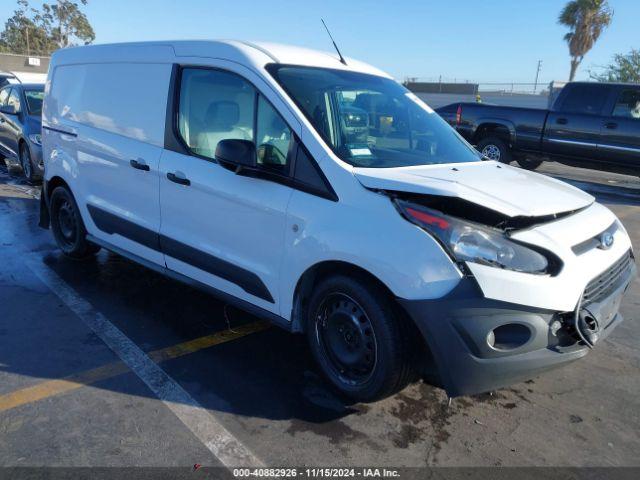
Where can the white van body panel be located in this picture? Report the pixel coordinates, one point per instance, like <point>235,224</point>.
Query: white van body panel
<point>107,135</point>
<point>364,230</point>
<point>505,189</point>
<point>563,291</point>
<point>256,54</point>
<point>238,219</point>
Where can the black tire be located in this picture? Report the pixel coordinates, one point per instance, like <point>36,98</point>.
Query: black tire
<point>529,163</point>
<point>495,149</point>
<point>27,163</point>
<point>358,339</point>
<point>67,226</point>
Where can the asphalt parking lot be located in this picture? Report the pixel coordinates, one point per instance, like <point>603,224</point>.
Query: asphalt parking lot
<point>105,363</point>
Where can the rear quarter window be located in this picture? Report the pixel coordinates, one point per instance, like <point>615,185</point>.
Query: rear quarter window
<point>628,104</point>
<point>585,99</point>
<point>126,99</point>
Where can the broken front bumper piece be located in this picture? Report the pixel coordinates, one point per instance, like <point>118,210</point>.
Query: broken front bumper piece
<point>481,345</point>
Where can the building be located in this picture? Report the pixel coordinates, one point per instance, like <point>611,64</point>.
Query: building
<point>26,68</point>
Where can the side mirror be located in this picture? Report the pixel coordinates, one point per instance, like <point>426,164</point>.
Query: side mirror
<point>237,153</point>
<point>8,109</point>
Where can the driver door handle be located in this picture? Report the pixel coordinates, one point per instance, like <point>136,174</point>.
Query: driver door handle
<point>139,165</point>
<point>181,180</point>
<point>562,121</point>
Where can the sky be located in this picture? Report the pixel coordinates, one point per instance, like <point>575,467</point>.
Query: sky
<point>481,41</point>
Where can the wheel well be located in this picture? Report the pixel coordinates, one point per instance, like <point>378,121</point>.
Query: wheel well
<point>423,357</point>
<point>492,130</point>
<point>314,275</point>
<point>54,183</point>
<point>21,142</point>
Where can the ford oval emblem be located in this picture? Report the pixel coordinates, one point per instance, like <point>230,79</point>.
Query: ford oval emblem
<point>606,241</point>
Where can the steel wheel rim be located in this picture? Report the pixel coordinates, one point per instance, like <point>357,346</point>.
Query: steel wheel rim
<point>492,152</point>
<point>347,338</point>
<point>67,224</point>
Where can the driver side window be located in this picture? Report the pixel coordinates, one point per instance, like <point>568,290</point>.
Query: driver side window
<point>216,105</point>
<point>273,138</point>
<point>4,95</point>
<point>14,100</point>
<point>628,104</point>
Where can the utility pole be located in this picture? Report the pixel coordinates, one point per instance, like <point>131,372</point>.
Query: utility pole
<point>535,86</point>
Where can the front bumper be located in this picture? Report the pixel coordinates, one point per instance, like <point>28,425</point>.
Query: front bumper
<point>481,345</point>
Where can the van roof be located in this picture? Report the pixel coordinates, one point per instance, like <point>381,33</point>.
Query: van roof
<point>256,54</point>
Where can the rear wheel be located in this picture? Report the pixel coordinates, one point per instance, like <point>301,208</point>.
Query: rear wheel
<point>68,227</point>
<point>357,338</point>
<point>496,149</point>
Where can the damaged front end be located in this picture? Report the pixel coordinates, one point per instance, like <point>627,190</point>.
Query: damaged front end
<point>466,210</point>
<point>472,233</point>
<point>482,343</point>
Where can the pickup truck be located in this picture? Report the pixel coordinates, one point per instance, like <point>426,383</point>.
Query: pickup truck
<point>592,125</point>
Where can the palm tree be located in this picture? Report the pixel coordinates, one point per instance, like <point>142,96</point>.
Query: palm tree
<point>587,19</point>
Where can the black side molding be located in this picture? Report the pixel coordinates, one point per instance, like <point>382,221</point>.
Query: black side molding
<point>57,130</point>
<point>248,281</point>
<point>225,297</point>
<point>110,223</point>
<point>245,279</point>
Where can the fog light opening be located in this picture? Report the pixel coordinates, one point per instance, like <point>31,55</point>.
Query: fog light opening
<point>588,327</point>
<point>509,336</point>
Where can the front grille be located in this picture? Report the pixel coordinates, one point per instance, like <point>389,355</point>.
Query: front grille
<point>605,283</point>
<point>593,242</point>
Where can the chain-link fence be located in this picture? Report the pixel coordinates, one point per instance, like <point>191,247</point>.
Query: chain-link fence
<point>440,92</point>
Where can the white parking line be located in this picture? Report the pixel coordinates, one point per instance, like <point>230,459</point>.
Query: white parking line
<point>227,449</point>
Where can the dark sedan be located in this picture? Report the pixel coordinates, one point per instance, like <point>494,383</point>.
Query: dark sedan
<point>20,127</point>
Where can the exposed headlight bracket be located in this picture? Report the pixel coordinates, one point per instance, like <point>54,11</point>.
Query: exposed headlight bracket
<point>471,242</point>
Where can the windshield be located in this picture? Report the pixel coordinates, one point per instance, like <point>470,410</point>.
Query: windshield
<point>372,121</point>
<point>34,101</point>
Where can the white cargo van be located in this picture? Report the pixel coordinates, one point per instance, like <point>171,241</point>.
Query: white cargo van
<point>324,196</point>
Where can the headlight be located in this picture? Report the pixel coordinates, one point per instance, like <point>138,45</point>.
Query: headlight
<point>36,138</point>
<point>469,242</point>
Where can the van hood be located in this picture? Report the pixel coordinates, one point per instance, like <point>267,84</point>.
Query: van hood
<point>508,190</point>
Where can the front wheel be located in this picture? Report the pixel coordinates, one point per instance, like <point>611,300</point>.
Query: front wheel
<point>357,338</point>
<point>496,149</point>
<point>27,163</point>
<point>67,226</point>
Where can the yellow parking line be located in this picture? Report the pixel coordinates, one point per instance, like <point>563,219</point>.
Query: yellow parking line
<point>72,382</point>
